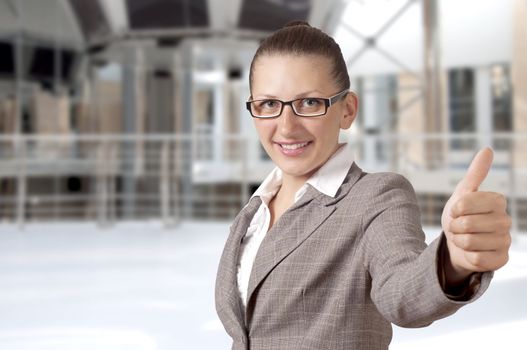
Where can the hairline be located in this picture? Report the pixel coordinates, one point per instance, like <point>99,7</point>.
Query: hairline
<point>285,53</point>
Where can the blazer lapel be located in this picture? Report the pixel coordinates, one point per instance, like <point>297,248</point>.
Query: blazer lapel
<point>226,284</point>
<point>293,228</point>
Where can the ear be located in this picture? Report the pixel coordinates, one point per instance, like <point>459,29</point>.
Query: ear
<point>350,109</point>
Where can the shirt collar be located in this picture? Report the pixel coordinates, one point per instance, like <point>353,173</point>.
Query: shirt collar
<point>327,179</point>
<point>331,175</point>
<point>267,190</point>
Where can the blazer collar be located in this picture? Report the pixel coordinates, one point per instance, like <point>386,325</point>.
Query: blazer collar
<point>353,175</point>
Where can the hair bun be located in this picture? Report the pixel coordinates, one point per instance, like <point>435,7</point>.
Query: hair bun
<point>297,23</point>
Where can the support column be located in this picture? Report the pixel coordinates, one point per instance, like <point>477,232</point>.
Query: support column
<point>19,144</point>
<point>131,95</point>
<point>483,107</point>
<point>371,124</point>
<point>519,72</point>
<point>432,83</point>
<point>187,149</point>
<point>218,120</point>
<point>517,181</point>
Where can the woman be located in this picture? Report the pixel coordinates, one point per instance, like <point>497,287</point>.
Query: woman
<point>325,256</point>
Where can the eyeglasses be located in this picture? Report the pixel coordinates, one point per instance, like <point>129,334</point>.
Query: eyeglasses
<point>303,107</point>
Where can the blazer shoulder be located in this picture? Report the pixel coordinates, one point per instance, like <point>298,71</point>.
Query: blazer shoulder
<point>372,188</point>
<point>375,182</point>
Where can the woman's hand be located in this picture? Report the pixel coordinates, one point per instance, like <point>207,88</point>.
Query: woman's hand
<point>476,225</point>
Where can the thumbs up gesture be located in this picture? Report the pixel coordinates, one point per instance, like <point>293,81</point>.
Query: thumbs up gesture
<point>476,225</point>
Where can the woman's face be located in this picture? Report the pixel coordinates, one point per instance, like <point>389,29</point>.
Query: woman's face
<point>299,145</point>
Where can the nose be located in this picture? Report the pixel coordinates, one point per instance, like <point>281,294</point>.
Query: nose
<point>288,120</point>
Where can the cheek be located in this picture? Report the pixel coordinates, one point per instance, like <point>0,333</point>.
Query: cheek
<point>264,128</point>
<point>328,130</point>
<point>335,125</point>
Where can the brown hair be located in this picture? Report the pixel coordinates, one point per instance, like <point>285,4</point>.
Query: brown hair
<point>299,38</point>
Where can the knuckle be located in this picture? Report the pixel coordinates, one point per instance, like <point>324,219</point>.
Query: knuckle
<point>503,260</point>
<point>452,226</point>
<point>457,225</point>
<point>503,223</point>
<point>507,222</point>
<point>476,259</point>
<point>508,241</point>
<point>502,200</point>
<point>461,206</point>
<point>463,241</point>
<point>467,224</point>
<point>506,258</point>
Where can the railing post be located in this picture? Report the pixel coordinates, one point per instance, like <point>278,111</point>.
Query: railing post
<point>109,179</point>
<point>176,178</point>
<point>20,146</point>
<point>164,183</point>
<point>102,185</point>
<point>245,173</point>
<point>513,190</point>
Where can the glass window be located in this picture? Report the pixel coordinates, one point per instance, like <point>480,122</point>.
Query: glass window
<point>501,103</point>
<point>461,105</point>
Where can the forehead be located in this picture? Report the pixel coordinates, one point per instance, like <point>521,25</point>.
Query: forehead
<point>286,75</point>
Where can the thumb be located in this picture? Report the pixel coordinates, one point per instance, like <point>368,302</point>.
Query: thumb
<point>477,171</point>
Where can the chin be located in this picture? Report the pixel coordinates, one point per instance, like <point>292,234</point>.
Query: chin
<point>294,169</point>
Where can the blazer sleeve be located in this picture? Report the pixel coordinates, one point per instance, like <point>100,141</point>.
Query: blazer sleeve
<point>406,288</point>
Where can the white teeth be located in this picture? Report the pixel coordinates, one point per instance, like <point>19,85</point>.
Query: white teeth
<point>294,146</point>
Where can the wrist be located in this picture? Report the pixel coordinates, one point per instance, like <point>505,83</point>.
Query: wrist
<point>454,280</point>
<point>457,283</point>
<point>455,275</point>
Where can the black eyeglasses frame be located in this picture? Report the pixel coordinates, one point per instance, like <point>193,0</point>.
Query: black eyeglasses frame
<point>328,102</point>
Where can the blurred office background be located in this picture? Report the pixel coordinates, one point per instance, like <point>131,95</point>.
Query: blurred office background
<point>126,149</point>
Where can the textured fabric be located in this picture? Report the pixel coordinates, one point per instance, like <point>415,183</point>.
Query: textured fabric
<point>334,273</point>
<point>251,242</point>
<point>326,180</point>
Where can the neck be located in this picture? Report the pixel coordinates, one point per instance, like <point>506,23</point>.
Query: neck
<point>285,196</point>
<point>291,184</point>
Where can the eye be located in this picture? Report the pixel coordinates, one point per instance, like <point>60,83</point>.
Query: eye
<point>311,102</point>
<point>268,104</point>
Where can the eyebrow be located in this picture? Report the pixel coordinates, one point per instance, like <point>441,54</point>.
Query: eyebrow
<point>303,94</point>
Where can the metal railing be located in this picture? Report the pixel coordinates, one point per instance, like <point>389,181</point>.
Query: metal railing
<point>110,177</point>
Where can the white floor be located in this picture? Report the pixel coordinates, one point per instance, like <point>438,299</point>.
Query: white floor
<point>139,286</point>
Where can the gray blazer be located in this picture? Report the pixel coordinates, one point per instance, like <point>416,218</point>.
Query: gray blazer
<point>333,273</point>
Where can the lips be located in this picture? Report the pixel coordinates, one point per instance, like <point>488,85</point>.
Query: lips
<point>293,145</point>
<point>293,148</point>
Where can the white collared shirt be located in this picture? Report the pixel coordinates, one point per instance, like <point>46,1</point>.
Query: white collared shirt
<point>327,180</point>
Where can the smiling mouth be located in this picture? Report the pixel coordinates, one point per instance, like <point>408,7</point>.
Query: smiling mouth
<point>293,146</point>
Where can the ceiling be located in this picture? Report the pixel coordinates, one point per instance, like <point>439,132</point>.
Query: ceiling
<point>87,23</point>
<point>150,30</point>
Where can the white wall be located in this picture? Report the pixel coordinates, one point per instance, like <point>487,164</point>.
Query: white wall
<point>472,33</point>
<point>476,32</point>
